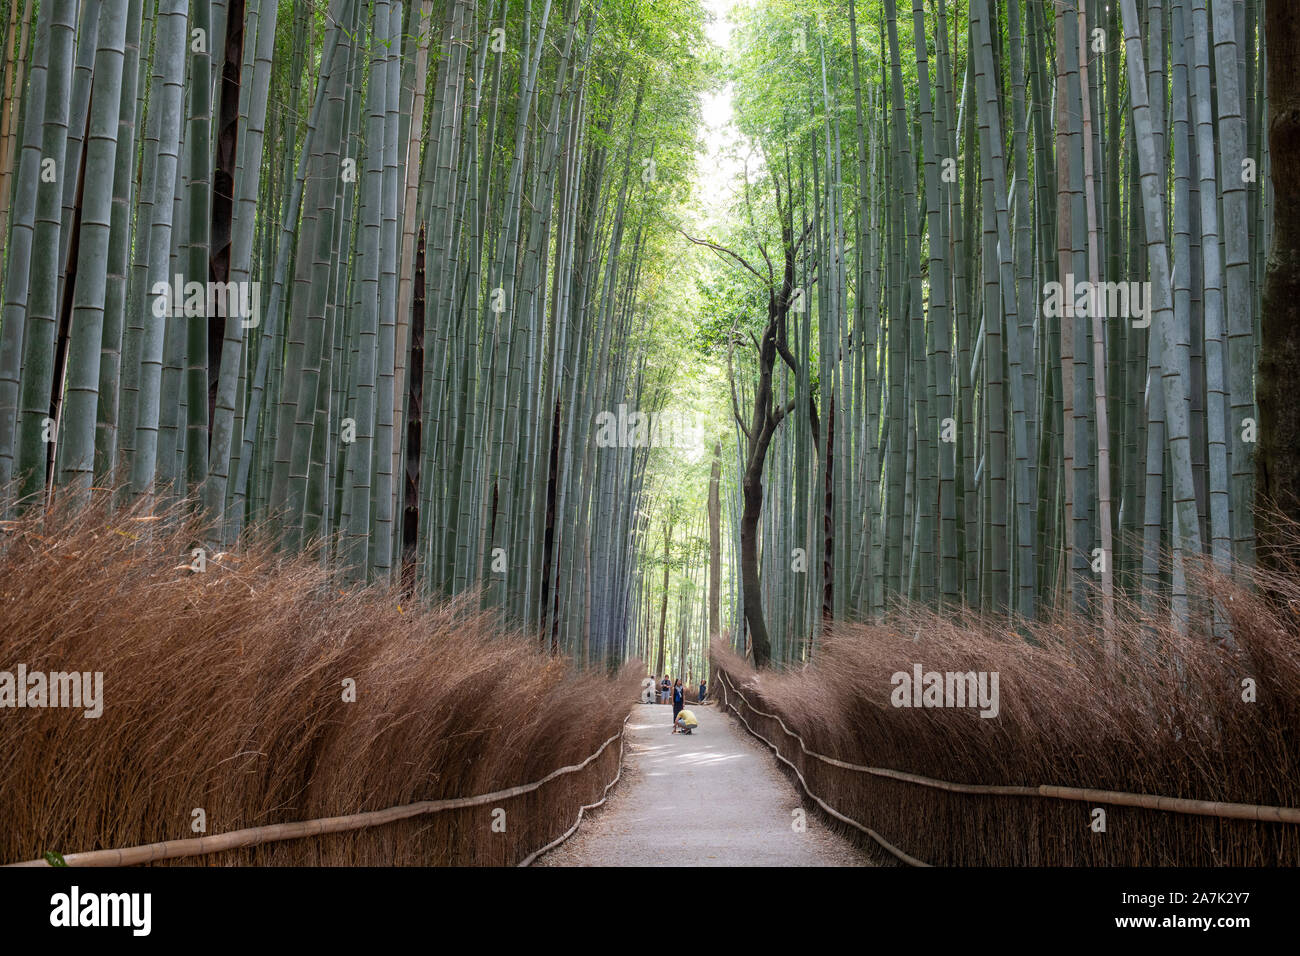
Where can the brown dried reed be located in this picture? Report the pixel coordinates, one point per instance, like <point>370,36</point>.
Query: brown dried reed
<point>1158,713</point>
<point>223,690</point>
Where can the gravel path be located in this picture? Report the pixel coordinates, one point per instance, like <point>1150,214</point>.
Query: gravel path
<point>714,798</point>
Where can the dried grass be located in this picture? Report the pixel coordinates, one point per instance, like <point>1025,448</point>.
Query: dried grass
<point>1162,714</point>
<point>224,690</point>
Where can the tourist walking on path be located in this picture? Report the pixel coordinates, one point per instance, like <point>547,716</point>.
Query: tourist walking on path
<point>679,700</point>
<point>703,687</point>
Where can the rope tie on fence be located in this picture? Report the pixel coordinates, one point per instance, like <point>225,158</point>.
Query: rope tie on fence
<point>1205,808</point>
<point>253,836</point>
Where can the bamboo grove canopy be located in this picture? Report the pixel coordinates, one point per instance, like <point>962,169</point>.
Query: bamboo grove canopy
<point>980,314</point>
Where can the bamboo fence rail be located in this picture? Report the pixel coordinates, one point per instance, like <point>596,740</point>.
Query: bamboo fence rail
<point>532,857</point>
<point>905,857</point>
<point>252,836</point>
<point>1206,808</point>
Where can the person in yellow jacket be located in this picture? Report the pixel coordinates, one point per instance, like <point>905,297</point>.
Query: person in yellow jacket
<point>685,722</point>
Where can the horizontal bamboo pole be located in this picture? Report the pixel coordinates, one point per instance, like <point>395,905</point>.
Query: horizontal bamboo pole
<point>1204,808</point>
<point>252,836</point>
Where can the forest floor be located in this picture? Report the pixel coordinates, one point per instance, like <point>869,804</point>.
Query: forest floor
<point>714,798</point>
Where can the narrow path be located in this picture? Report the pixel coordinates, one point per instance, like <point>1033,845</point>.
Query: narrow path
<point>714,798</point>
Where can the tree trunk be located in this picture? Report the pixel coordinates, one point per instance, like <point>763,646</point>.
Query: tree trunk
<point>1278,459</point>
<point>753,491</point>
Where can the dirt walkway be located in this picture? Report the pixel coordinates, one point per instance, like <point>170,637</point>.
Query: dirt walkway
<point>714,798</point>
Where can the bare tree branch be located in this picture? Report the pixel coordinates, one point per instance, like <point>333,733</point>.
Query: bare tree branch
<point>771,276</point>
<point>779,414</point>
<point>731,378</point>
<point>806,231</point>
<point>722,251</point>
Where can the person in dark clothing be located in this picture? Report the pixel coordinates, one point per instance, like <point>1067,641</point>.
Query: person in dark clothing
<point>679,700</point>
<point>703,687</point>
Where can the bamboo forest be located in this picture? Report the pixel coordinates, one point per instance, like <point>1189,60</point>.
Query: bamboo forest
<point>721,339</point>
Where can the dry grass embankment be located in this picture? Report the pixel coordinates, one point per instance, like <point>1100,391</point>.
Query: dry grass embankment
<point>1164,714</point>
<point>224,690</point>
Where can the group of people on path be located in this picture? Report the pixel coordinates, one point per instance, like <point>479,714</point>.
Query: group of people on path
<point>684,721</point>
